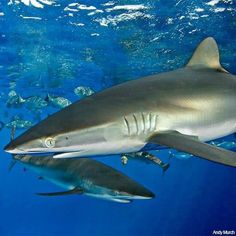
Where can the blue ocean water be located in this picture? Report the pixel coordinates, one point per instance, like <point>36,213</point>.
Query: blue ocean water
<point>52,47</point>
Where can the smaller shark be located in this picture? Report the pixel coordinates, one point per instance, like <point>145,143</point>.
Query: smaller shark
<point>85,176</point>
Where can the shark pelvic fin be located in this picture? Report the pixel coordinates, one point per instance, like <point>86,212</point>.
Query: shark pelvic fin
<point>193,145</point>
<point>207,56</point>
<point>69,192</point>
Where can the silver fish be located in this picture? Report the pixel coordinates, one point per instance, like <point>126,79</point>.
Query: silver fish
<point>144,157</point>
<point>35,103</point>
<point>83,91</point>
<point>19,123</point>
<point>58,102</point>
<point>14,100</point>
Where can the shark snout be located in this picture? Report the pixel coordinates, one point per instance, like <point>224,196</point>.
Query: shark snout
<point>142,194</point>
<point>11,148</point>
<point>22,145</point>
<point>134,190</point>
<point>14,147</point>
<point>149,194</point>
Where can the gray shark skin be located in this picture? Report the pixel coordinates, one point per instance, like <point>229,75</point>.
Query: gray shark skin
<point>193,104</point>
<point>85,176</point>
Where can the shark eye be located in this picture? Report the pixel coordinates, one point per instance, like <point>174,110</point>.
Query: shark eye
<point>49,142</point>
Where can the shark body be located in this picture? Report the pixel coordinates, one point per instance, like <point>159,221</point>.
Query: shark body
<point>85,176</point>
<point>179,109</point>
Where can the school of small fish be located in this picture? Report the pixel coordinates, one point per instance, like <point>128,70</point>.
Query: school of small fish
<point>35,104</point>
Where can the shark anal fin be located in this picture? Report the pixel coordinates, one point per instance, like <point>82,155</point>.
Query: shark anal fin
<point>185,143</point>
<point>63,193</point>
<point>207,56</point>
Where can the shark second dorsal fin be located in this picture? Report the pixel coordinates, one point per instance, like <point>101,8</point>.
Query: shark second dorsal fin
<point>207,56</point>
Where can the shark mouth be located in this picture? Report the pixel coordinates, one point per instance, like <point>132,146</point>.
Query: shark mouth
<point>119,199</point>
<point>68,154</point>
<point>54,154</point>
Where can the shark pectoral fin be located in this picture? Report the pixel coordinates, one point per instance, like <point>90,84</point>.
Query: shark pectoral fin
<point>191,144</point>
<point>207,56</point>
<point>69,192</point>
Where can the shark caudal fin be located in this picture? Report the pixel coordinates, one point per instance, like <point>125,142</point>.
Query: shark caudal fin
<point>14,159</point>
<point>207,56</point>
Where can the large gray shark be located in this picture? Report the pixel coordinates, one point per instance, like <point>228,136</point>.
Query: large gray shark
<point>180,109</point>
<point>85,176</point>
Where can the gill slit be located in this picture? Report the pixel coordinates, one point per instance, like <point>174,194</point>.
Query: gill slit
<point>127,125</point>
<point>156,116</point>
<point>143,119</point>
<point>150,121</point>
<point>136,123</point>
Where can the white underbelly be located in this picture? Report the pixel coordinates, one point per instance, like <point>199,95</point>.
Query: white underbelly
<point>108,148</point>
<point>103,148</point>
<point>210,132</point>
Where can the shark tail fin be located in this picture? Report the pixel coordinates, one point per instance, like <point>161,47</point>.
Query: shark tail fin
<point>12,164</point>
<point>47,98</point>
<point>1,125</point>
<point>207,56</point>
<point>14,159</point>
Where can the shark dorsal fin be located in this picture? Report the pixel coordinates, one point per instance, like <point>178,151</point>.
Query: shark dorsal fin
<point>207,56</point>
